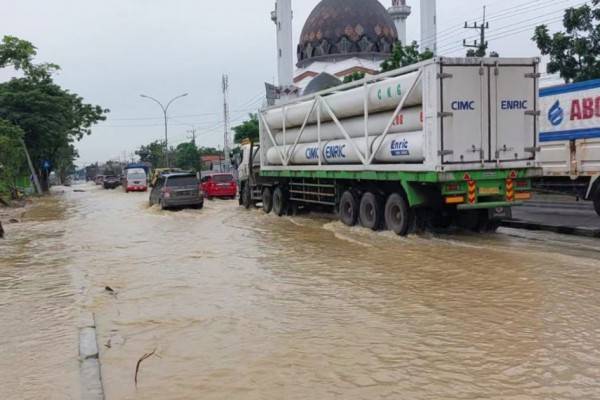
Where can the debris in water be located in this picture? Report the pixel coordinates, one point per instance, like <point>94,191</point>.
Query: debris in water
<point>1,231</point>
<point>111,291</point>
<point>13,221</point>
<point>108,344</point>
<point>78,191</point>
<point>137,366</point>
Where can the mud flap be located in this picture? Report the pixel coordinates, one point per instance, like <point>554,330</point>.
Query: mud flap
<point>500,213</point>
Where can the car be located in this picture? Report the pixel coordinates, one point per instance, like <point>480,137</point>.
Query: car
<point>163,171</point>
<point>177,190</point>
<point>135,180</point>
<point>99,180</point>
<point>219,185</point>
<point>111,182</point>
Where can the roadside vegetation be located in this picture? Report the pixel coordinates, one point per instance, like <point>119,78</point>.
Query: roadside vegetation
<point>574,53</point>
<point>39,116</point>
<point>186,156</point>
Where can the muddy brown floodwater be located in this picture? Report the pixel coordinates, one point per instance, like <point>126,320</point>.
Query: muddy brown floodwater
<point>239,305</point>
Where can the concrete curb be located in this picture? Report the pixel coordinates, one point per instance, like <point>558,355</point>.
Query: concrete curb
<point>566,230</point>
<point>89,362</point>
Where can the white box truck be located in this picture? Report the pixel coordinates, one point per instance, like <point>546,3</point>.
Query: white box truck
<point>570,140</point>
<point>445,140</point>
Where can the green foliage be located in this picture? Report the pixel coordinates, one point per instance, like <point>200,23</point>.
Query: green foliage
<point>153,153</point>
<point>355,76</point>
<point>12,157</point>
<point>247,130</point>
<point>187,157</point>
<point>575,53</point>
<point>51,118</point>
<point>403,56</point>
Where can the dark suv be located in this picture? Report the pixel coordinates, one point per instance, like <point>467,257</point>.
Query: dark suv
<point>177,191</point>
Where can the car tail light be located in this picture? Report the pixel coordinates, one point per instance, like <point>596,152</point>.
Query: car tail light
<point>166,192</point>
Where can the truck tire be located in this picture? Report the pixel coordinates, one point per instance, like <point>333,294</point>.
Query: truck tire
<point>596,199</point>
<point>349,208</point>
<point>397,214</point>
<point>371,211</point>
<point>267,200</point>
<point>246,197</point>
<point>279,201</point>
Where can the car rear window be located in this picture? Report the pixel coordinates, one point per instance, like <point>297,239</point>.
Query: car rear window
<point>222,178</point>
<point>182,181</point>
<point>136,175</point>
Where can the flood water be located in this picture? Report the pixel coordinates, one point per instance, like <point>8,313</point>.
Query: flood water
<point>239,305</point>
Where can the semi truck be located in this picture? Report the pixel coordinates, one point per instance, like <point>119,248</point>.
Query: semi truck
<point>448,140</point>
<point>570,140</point>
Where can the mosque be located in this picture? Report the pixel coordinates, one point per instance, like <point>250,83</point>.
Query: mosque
<point>342,37</point>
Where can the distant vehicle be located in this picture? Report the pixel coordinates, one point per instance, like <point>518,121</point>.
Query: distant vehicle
<point>177,190</point>
<point>219,185</point>
<point>111,182</point>
<point>99,180</point>
<point>135,180</point>
<point>569,140</point>
<point>162,171</point>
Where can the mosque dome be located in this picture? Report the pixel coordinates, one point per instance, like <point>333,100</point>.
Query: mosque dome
<point>338,29</point>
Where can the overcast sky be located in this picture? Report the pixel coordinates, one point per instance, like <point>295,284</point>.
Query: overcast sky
<point>111,51</point>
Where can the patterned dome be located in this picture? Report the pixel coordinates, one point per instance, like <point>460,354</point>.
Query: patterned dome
<point>346,28</point>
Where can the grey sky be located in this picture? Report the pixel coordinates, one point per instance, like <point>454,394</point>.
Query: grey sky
<point>110,51</point>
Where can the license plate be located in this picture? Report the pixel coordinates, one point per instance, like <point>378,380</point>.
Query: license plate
<point>490,190</point>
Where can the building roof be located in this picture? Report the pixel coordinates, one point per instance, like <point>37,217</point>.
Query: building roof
<point>346,28</point>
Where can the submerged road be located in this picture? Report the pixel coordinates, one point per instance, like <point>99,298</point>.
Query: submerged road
<point>233,304</point>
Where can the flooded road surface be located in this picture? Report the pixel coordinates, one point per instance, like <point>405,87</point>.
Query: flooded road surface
<point>239,305</point>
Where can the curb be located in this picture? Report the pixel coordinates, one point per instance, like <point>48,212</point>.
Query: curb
<point>566,230</point>
<point>89,361</point>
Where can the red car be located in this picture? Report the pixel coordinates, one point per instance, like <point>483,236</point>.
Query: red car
<point>219,185</point>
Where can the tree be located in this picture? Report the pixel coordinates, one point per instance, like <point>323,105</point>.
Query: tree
<point>51,118</point>
<point>187,157</point>
<point>247,130</point>
<point>403,56</point>
<point>575,53</point>
<point>355,76</point>
<point>12,158</point>
<point>153,153</point>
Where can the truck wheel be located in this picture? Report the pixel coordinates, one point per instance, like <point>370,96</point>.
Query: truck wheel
<point>267,200</point>
<point>371,211</point>
<point>279,202</point>
<point>397,214</point>
<point>246,197</point>
<point>349,208</point>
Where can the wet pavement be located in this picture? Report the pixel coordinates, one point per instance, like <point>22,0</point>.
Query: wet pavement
<point>239,305</point>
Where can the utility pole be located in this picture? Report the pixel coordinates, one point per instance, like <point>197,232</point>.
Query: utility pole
<point>226,120</point>
<point>482,45</point>
<point>36,180</point>
<point>165,109</point>
<point>193,132</point>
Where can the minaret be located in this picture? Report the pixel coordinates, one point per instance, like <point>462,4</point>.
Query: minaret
<point>399,12</point>
<point>428,26</point>
<point>282,16</point>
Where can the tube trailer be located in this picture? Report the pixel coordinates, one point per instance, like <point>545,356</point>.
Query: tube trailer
<point>446,140</point>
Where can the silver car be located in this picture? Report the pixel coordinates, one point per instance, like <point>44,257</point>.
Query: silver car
<point>177,191</point>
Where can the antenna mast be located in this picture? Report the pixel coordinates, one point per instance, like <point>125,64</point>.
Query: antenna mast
<point>226,119</point>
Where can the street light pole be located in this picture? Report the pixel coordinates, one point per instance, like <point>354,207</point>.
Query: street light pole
<point>165,110</point>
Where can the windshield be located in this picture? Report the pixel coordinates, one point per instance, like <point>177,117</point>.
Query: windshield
<point>182,181</point>
<point>136,175</point>
<point>222,178</point>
